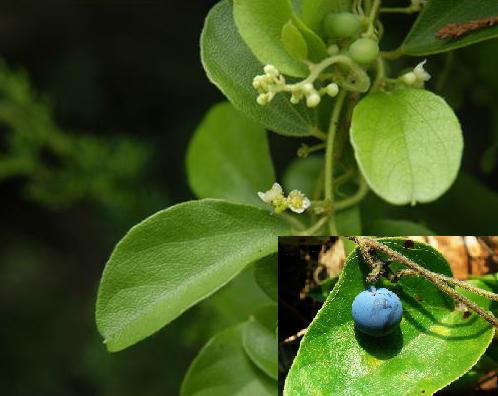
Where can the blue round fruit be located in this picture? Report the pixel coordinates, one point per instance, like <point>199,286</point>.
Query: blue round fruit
<point>377,312</point>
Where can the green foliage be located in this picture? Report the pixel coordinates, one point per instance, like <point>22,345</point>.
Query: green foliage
<point>434,346</point>
<point>437,14</point>
<point>222,368</point>
<point>174,259</point>
<point>61,168</point>
<point>231,66</point>
<point>302,174</point>
<point>260,24</point>
<point>216,166</point>
<point>293,41</point>
<point>266,274</point>
<point>259,339</point>
<point>414,154</point>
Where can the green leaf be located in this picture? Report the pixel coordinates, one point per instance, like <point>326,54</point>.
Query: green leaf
<point>266,275</point>
<point>223,369</point>
<point>260,24</point>
<point>313,11</point>
<point>389,227</point>
<point>232,304</point>
<point>231,66</point>
<point>260,340</point>
<point>348,221</point>
<point>229,157</point>
<point>293,41</point>
<point>433,347</point>
<point>174,259</point>
<point>408,144</point>
<point>303,173</point>
<point>423,40</point>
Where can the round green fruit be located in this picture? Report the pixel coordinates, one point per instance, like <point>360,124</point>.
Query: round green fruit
<point>364,50</point>
<point>341,25</point>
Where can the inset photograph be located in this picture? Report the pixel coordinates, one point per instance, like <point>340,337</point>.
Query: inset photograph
<point>361,313</point>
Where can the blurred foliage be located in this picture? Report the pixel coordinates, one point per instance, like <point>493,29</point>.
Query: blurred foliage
<point>60,168</point>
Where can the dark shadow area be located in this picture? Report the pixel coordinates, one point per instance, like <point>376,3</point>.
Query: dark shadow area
<point>381,347</point>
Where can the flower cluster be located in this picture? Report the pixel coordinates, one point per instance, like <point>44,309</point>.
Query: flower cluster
<point>417,77</point>
<point>273,82</point>
<point>295,201</point>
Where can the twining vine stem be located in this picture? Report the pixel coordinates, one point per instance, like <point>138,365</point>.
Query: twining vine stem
<point>442,282</point>
<point>329,158</point>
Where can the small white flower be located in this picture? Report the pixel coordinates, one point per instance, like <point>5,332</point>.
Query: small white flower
<point>313,99</point>
<point>271,70</point>
<point>420,72</point>
<point>298,202</point>
<point>332,89</point>
<point>409,78</point>
<point>308,88</point>
<point>272,194</point>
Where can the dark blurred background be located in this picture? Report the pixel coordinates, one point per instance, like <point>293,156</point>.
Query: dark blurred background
<point>98,100</point>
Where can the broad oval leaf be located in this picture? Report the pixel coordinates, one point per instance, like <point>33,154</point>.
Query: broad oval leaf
<point>229,157</point>
<point>438,14</point>
<point>231,66</point>
<point>313,11</point>
<point>434,346</point>
<point>266,275</point>
<point>223,369</point>
<point>260,339</point>
<point>174,259</point>
<point>408,144</point>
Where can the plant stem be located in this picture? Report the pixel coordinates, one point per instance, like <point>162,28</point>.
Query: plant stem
<point>292,221</point>
<point>314,228</point>
<point>399,10</point>
<point>437,279</point>
<point>354,199</point>
<point>445,73</point>
<point>379,77</point>
<point>371,19</point>
<point>329,156</point>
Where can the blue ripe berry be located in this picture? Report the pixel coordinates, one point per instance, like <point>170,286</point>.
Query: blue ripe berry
<point>377,312</point>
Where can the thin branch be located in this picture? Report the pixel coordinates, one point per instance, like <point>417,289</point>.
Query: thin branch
<point>437,279</point>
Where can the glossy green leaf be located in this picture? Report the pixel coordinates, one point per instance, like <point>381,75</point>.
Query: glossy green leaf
<point>313,11</point>
<point>260,24</point>
<point>229,157</point>
<point>303,173</point>
<point>222,368</point>
<point>423,40</point>
<point>260,339</point>
<point>266,275</point>
<point>434,345</point>
<point>408,144</point>
<point>174,259</point>
<point>231,66</point>
<point>293,41</point>
<point>387,227</point>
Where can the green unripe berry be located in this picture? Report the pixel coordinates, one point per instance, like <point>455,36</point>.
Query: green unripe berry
<point>341,25</point>
<point>364,50</point>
